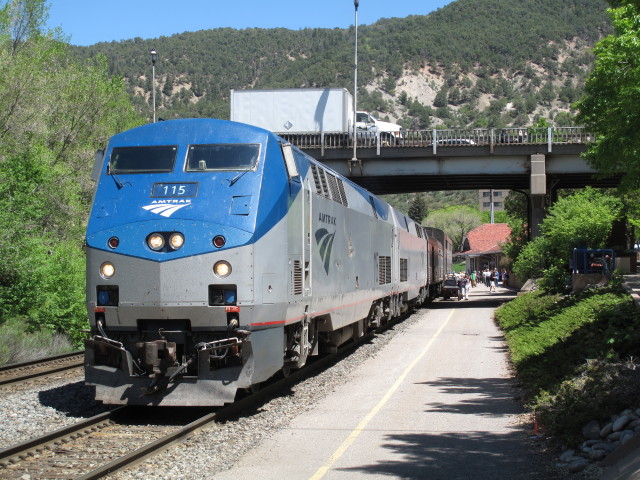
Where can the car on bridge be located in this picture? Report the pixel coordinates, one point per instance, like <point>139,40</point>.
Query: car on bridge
<point>455,141</point>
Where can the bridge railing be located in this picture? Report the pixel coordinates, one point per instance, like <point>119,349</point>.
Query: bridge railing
<point>444,138</point>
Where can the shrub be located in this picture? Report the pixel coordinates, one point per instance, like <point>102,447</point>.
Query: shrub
<point>19,344</point>
<point>550,338</point>
<point>598,390</point>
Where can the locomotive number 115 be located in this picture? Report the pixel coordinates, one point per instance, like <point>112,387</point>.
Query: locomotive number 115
<point>169,190</point>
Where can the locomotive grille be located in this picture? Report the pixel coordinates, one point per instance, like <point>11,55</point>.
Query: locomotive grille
<point>333,186</point>
<point>384,270</point>
<point>343,194</point>
<point>404,269</point>
<point>323,180</point>
<point>316,179</point>
<point>297,277</point>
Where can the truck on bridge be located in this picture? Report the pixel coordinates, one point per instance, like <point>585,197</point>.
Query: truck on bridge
<point>309,111</point>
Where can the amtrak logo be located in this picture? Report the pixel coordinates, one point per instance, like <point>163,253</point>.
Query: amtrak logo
<point>166,208</point>
<point>324,240</point>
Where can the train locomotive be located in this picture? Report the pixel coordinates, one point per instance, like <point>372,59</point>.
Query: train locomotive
<point>219,255</point>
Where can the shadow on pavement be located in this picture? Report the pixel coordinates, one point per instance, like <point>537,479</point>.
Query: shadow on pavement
<point>491,396</point>
<point>462,455</point>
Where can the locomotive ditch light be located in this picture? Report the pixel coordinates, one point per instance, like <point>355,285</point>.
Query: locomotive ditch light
<point>176,241</point>
<point>222,269</point>
<point>155,241</point>
<point>107,270</point>
<point>219,241</point>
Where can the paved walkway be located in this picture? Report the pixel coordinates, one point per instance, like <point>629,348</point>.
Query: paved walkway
<point>437,402</point>
<point>632,285</point>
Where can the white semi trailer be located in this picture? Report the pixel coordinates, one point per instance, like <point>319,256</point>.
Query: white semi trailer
<point>306,110</point>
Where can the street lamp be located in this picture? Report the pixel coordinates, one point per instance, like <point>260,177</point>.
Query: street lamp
<point>154,57</point>
<point>355,86</point>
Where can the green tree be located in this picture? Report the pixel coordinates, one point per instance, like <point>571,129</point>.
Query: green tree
<point>456,221</point>
<point>455,96</point>
<point>516,205</point>
<point>609,106</point>
<point>441,99</point>
<point>583,219</point>
<point>498,217</point>
<point>418,208</point>
<point>54,113</point>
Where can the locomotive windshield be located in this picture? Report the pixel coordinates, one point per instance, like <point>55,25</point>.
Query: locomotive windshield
<point>222,156</point>
<point>156,159</point>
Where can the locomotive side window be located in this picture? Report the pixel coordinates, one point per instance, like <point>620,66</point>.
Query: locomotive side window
<point>156,159</point>
<point>222,156</point>
<point>373,206</point>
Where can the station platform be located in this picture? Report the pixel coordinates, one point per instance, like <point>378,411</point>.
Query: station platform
<point>437,402</point>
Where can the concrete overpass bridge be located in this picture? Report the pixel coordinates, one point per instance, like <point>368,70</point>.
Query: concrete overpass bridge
<point>537,160</point>
<point>459,159</point>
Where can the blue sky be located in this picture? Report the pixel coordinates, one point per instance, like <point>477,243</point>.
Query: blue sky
<point>91,21</point>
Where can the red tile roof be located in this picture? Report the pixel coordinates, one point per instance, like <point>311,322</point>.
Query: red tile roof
<point>486,238</point>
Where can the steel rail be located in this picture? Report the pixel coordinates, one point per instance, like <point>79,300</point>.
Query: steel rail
<point>41,373</point>
<point>252,401</point>
<point>19,449</point>
<point>149,449</point>
<point>230,411</point>
<point>11,366</point>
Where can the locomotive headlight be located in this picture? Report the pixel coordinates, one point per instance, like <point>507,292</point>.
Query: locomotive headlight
<point>176,241</point>
<point>107,270</point>
<point>222,269</point>
<point>155,241</point>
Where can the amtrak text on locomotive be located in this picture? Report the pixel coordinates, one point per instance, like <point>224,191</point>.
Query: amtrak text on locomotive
<point>328,219</point>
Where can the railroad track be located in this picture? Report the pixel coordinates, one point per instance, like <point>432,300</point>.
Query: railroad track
<point>93,447</point>
<point>115,440</point>
<point>112,441</point>
<point>20,372</point>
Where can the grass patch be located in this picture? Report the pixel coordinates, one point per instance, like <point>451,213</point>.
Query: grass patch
<point>459,267</point>
<point>570,353</point>
<point>19,344</point>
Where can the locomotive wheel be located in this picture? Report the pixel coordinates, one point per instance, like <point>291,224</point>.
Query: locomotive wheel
<point>286,371</point>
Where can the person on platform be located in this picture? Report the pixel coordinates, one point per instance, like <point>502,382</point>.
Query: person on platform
<point>467,286</point>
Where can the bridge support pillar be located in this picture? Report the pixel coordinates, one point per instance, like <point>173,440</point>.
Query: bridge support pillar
<point>353,164</point>
<point>538,193</point>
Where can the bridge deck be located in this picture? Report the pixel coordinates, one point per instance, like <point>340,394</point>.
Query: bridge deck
<point>457,159</point>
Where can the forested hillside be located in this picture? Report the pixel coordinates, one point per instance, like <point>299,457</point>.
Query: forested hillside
<point>472,63</point>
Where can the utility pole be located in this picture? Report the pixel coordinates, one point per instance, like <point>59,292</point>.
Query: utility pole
<point>355,88</point>
<point>491,200</point>
<point>154,56</point>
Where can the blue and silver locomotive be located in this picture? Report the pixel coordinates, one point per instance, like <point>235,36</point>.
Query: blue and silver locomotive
<point>219,255</point>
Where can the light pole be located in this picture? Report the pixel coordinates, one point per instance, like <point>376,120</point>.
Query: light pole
<point>491,198</point>
<point>154,56</point>
<point>355,86</point>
